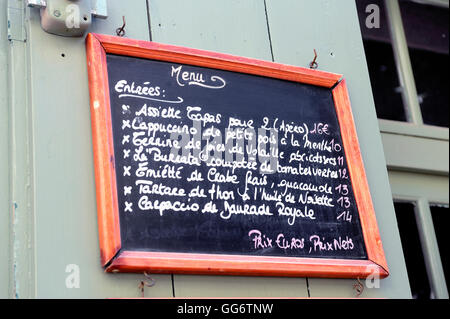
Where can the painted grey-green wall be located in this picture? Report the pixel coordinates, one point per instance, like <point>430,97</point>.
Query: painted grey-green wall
<point>62,202</point>
<point>287,31</point>
<point>4,157</point>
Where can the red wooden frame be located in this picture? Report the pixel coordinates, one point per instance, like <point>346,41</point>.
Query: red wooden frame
<point>114,259</point>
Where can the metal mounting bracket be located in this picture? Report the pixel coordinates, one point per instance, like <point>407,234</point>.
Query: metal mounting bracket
<point>70,18</point>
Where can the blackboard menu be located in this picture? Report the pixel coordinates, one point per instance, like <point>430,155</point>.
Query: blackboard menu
<point>209,161</point>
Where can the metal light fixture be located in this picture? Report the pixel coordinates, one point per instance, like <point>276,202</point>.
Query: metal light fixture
<point>70,18</point>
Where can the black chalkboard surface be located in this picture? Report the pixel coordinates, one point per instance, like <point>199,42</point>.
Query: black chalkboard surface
<point>208,163</point>
<point>304,208</point>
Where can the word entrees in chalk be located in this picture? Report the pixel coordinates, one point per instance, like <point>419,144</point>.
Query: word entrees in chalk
<point>122,86</point>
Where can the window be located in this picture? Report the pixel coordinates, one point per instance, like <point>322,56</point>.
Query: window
<point>384,79</point>
<point>408,64</point>
<point>426,31</point>
<point>407,56</point>
<point>441,222</point>
<point>412,250</point>
<point>432,81</point>
<point>427,265</point>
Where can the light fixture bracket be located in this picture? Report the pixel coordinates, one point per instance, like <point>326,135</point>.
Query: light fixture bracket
<point>70,18</point>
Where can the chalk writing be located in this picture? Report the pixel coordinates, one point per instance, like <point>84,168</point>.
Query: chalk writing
<point>199,170</point>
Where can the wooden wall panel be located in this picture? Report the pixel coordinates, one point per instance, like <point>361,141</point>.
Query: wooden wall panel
<point>64,190</point>
<point>229,26</point>
<point>416,154</point>
<point>236,27</point>
<point>4,159</point>
<point>65,205</point>
<point>332,28</point>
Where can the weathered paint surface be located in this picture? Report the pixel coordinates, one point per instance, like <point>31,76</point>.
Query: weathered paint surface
<point>55,186</point>
<point>4,158</point>
<point>293,30</point>
<point>332,28</point>
<point>64,187</point>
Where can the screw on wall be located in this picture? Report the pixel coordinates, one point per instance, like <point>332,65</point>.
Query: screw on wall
<point>121,31</point>
<point>147,282</point>
<point>359,287</point>
<point>313,65</point>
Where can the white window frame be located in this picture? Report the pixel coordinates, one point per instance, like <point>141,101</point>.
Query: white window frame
<point>403,61</point>
<point>415,128</point>
<point>429,244</point>
<point>423,190</point>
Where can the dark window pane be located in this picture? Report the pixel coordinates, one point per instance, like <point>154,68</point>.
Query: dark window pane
<point>441,221</point>
<point>384,80</point>
<point>412,250</point>
<point>426,26</point>
<point>432,81</point>
<point>427,32</point>
<point>381,63</point>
